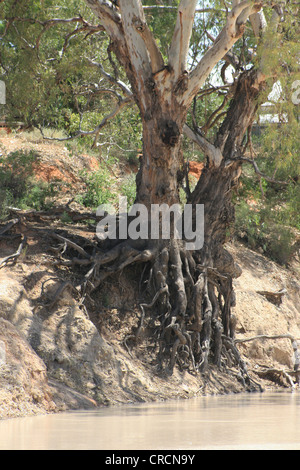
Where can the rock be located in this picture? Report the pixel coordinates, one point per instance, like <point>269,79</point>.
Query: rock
<point>282,354</point>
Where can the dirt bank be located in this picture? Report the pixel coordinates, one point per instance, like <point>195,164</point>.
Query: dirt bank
<point>57,353</point>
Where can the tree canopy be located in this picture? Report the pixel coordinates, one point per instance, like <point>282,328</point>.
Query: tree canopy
<point>61,73</point>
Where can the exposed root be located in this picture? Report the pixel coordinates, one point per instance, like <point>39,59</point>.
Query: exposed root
<point>189,315</point>
<point>245,378</point>
<point>188,318</point>
<point>280,376</point>
<point>136,336</point>
<point>8,226</point>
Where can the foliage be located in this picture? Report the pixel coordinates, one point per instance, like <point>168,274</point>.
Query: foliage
<point>18,185</point>
<point>70,91</point>
<point>268,213</point>
<point>267,209</point>
<point>128,189</point>
<point>98,188</point>
<point>261,228</point>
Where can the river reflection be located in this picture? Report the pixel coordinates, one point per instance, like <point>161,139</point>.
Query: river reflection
<point>243,421</point>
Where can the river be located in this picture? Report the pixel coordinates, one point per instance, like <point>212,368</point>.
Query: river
<point>269,421</point>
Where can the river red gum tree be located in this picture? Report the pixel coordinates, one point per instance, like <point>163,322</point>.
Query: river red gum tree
<point>193,292</point>
<point>164,92</point>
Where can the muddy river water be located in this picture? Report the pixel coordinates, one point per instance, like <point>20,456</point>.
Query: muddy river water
<point>269,421</point>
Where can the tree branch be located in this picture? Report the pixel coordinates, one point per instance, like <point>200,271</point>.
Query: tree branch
<point>174,8</point>
<point>110,19</point>
<point>213,153</point>
<point>113,23</point>
<point>133,21</point>
<point>109,77</point>
<point>181,37</point>
<point>108,15</point>
<point>258,23</point>
<point>84,29</point>
<point>156,58</point>
<point>55,21</point>
<point>229,35</point>
<point>46,25</point>
<point>258,172</point>
<point>96,132</point>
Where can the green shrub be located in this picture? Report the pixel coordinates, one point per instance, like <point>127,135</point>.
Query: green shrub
<point>271,222</point>
<point>6,200</point>
<point>128,189</point>
<point>262,228</point>
<point>249,225</point>
<point>281,246</point>
<point>18,184</point>
<point>98,188</point>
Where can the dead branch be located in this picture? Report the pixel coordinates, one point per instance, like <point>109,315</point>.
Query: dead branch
<point>8,226</point>
<point>274,297</point>
<point>277,376</point>
<point>52,214</point>
<point>245,340</point>
<point>71,244</point>
<point>13,258</point>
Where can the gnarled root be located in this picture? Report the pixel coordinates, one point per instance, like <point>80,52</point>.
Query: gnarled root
<point>189,311</point>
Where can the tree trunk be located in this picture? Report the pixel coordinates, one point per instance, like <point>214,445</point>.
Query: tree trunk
<point>192,291</point>
<point>192,294</point>
<point>214,190</point>
<point>157,180</point>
